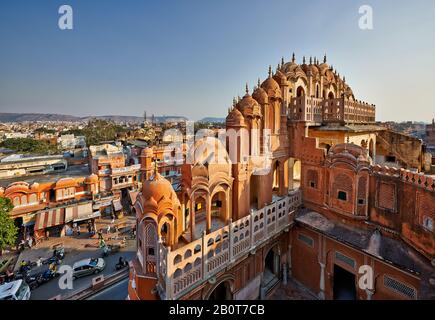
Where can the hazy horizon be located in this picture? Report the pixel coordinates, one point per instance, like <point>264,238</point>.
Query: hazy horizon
<point>191,58</point>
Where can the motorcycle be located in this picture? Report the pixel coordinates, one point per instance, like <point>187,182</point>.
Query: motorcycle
<point>109,249</point>
<point>46,276</point>
<point>32,281</point>
<point>121,265</point>
<point>58,256</point>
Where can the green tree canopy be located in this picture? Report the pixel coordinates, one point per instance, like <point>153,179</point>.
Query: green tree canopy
<point>99,130</point>
<point>8,231</point>
<point>27,145</point>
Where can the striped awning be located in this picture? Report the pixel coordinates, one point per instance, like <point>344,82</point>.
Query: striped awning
<point>50,218</point>
<point>78,212</point>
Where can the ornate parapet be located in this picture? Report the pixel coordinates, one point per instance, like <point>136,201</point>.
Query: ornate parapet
<point>418,179</point>
<point>341,110</point>
<point>197,262</point>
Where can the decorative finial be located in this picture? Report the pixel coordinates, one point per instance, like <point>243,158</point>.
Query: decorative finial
<point>303,60</point>
<point>247,89</point>
<point>282,61</point>
<point>324,58</point>
<point>234,101</point>
<point>270,71</point>
<point>155,168</point>
<point>293,57</point>
<point>259,85</point>
<point>344,79</point>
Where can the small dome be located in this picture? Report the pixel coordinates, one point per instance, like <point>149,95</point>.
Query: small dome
<point>280,78</point>
<point>248,106</point>
<point>289,67</point>
<point>351,151</point>
<point>314,69</point>
<point>272,88</point>
<point>260,95</point>
<point>157,187</point>
<point>323,67</point>
<point>34,186</point>
<point>235,119</point>
<point>93,178</point>
<point>208,150</point>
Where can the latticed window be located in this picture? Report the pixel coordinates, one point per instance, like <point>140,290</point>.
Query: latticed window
<point>306,239</point>
<point>400,287</point>
<point>312,179</point>
<point>345,259</point>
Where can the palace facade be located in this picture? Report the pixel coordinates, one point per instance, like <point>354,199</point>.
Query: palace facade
<point>298,188</point>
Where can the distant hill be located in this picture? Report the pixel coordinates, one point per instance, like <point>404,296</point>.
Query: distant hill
<point>32,117</point>
<point>23,117</point>
<point>211,119</point>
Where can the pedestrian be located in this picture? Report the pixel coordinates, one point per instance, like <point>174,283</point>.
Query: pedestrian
<point>31,241</point>
<point>100,234</point>
<point>113,218</point>
<point>75,228</point>
<point>78,230</point>
<point>39,262</point>
<point>108,229</point>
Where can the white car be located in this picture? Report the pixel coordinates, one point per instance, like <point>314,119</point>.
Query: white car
<point>88,266</point>
<point>15,290</point>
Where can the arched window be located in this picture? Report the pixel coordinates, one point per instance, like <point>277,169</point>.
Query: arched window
<point>150,246</point>
<point>300,92</point>
<point>331,95</point>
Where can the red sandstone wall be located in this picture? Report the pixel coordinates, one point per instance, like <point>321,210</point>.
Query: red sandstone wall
<point>400,206</point>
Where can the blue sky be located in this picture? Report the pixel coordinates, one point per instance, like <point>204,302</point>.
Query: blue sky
<point>190,57</point>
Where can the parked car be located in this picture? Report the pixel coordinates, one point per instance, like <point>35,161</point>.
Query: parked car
<point>15,290</point>
<point>88,266</point>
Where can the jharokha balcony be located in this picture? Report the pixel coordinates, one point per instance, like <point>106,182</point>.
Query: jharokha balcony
<point>323,111</point>
<point>193,263</point>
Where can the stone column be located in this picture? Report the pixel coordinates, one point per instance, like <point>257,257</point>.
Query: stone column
<point>183,215</point>
<point>322,281</point>
<point>208,213</point>
<point>192,218</point>
<point>291,163</point>
<point>284,274</point>
<point>289,260</point>
<point>229,209</point>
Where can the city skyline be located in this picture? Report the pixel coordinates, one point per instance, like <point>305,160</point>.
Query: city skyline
<point>186,59</point>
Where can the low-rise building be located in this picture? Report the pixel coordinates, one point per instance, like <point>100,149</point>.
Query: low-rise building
<point>20,165</point>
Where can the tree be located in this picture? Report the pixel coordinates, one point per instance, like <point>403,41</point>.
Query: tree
<point>8,231</point>
<point>99,130</point>
<point>27,145</point>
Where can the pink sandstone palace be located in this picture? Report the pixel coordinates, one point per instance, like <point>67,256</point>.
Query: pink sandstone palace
<point>327,207</point>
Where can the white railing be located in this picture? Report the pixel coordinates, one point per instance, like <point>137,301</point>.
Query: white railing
<point>199,260</point>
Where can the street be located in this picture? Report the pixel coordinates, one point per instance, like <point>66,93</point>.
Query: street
<point>117,291</point>
<point>51,288</point>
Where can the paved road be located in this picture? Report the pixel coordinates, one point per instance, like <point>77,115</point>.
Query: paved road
<point>51,289</point>
<point>116,292</point>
